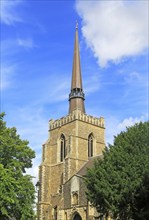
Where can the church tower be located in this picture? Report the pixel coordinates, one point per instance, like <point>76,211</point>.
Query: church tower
<point>74,141</point>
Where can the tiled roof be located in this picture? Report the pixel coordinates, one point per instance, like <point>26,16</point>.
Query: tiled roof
<point>88,164</point>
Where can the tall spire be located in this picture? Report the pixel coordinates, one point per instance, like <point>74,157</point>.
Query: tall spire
<point>76,97</point>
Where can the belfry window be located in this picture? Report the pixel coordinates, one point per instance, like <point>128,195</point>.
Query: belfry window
<point>62,148</point>
<point>90,145</point>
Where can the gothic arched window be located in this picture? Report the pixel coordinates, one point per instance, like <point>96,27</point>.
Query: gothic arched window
<point>62,148</point>
<point>90,145</point>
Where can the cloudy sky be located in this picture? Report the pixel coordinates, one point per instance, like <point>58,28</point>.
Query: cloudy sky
<point>37,40</point>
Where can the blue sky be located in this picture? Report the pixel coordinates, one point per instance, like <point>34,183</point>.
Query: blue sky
<point>37,40</point>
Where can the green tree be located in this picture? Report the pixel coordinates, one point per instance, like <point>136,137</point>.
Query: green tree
<point>16,188</point>
<point>118,185</point>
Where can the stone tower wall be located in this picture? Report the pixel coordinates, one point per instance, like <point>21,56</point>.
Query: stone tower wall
<point>76,128</point>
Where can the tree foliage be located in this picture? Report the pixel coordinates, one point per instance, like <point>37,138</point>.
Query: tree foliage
<point>118,185</point>
<point>16,188</point>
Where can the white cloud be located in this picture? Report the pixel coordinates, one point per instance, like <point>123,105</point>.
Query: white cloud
<point>114,126</point>
<point>114,29</point>
<point>7,74</point>
<point>35,170</point>
<point>32,126</point>
<point>129,122</point>
<point>91,84</point>
<point>133,77</point>
<point>9,13</point>
<point>27,43</point>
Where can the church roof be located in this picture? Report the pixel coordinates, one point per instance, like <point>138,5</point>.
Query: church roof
<point>88,164</point>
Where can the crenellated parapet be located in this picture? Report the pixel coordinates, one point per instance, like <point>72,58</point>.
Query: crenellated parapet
<point>76,115</point>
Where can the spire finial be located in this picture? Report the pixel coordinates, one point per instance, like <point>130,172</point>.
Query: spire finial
<point>76,24</point>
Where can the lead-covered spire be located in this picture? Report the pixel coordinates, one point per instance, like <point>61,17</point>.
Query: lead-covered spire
<point>76,97</point>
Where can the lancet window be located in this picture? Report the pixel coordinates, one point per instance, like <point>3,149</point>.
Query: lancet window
<point>62,147</point>
<point>90,145</point>
<point>55,213</point>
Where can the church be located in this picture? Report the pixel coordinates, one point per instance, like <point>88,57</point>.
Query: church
<point>74,142</point>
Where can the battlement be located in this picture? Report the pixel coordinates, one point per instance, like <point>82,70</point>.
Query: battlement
<point>76,115</point>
